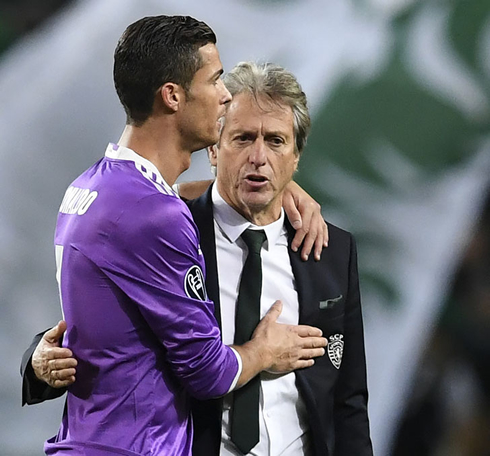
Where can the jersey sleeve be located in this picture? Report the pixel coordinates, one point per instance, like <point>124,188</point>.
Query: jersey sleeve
<point>152,254</point>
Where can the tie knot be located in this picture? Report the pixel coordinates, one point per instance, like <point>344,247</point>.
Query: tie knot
<point>254,240</point>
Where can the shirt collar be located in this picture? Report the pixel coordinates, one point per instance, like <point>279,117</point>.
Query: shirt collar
<point>233,224</point>
<point>117,152</point>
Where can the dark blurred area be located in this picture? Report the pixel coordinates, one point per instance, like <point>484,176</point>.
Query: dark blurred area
<point>18,17</point>
<point>449,408</point>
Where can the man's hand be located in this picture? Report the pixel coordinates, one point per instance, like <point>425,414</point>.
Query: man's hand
<point>279,348</point>
<point>289,347</point>
<point>51,363</point>
<point>305,216</point>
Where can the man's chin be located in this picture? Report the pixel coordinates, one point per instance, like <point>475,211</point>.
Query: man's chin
<point>206,142</point>
<point>213,139</point>
<point>256,200</point>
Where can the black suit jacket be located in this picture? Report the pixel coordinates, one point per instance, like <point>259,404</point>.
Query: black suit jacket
<point>328,293</point>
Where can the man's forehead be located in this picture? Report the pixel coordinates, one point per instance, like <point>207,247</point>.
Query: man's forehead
<point>211,62</point>
<point>247,110</point>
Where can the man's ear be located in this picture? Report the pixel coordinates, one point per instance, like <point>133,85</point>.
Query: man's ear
<point>213,155</point>
<point>171,95</point>
<point>296,162</point>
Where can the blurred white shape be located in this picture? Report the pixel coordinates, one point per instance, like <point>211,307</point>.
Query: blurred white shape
<point>439,68</point>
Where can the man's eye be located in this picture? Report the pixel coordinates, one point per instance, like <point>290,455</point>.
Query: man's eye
<point>242,138</point>
<point>276,141</point>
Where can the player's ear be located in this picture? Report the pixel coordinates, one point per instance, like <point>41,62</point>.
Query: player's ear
<point>213,155</point>
<point>171,95</point>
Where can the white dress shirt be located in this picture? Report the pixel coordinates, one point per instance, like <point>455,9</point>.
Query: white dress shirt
<point>282,413</point>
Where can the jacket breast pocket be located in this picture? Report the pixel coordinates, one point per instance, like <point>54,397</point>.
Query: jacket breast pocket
<point>331,307</point>
<point>329,316</point>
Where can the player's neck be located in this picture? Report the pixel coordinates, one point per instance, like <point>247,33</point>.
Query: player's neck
<point>157,144</point>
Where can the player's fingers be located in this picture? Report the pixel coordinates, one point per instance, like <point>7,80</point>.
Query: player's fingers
<point>298,238</point>
<point>307,331</point>
<point>326,234</point>
<point>313,342</point>
<point>274,312</point>
<point>321,240</point>
<point>303,363</point>
<point>305,233</point>
<point>306,342</point>
<point>289,205</point>
<point>312,353</point>
<point>308,243</point>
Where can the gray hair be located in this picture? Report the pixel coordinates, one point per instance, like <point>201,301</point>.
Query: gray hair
<point>279,85</point>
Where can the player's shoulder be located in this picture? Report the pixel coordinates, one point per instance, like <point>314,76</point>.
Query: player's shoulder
<point>157,213</point>
<point>162,208</point>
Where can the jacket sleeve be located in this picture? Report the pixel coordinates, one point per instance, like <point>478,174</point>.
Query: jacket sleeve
<point>351,394</point>
<point>35,391</point>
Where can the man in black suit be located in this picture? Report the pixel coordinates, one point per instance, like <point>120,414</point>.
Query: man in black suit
<point>320,410</point>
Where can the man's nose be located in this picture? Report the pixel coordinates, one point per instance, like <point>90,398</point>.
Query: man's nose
<point>226,95</point>
<point>258,153</point>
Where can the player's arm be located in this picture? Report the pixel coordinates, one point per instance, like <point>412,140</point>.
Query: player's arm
<point>274,347</point>
<point>305,215</point>
<point>279,348</point>
<point>192,190</point>
<point>303,212</point>
<point>154,257</point>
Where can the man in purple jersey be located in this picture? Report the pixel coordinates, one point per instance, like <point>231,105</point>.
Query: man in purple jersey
<point>130,267</point>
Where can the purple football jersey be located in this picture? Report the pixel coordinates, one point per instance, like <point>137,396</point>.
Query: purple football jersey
<point>130,271</point>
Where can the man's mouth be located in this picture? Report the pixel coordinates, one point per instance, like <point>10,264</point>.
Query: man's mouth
<point>256,180</point>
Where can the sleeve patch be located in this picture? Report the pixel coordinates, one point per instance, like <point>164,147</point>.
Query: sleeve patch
<point>194,284</point>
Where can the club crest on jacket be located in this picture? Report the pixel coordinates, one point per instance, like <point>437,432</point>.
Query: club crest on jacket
<point>335,349</point>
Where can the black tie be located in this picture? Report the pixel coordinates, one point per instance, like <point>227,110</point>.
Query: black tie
<point>245,410</point>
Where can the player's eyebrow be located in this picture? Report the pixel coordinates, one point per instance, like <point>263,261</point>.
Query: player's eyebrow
<point>217,74</point>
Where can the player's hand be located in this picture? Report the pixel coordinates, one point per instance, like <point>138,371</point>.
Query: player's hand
<point>305,216</point>
<point>51,363</point>
<point>289,347</point>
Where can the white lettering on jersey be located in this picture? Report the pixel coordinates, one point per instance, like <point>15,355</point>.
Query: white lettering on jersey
<point>58,253</point>
<point>77,200</point>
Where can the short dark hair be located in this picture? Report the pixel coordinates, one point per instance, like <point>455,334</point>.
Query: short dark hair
<point>152,51</point>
